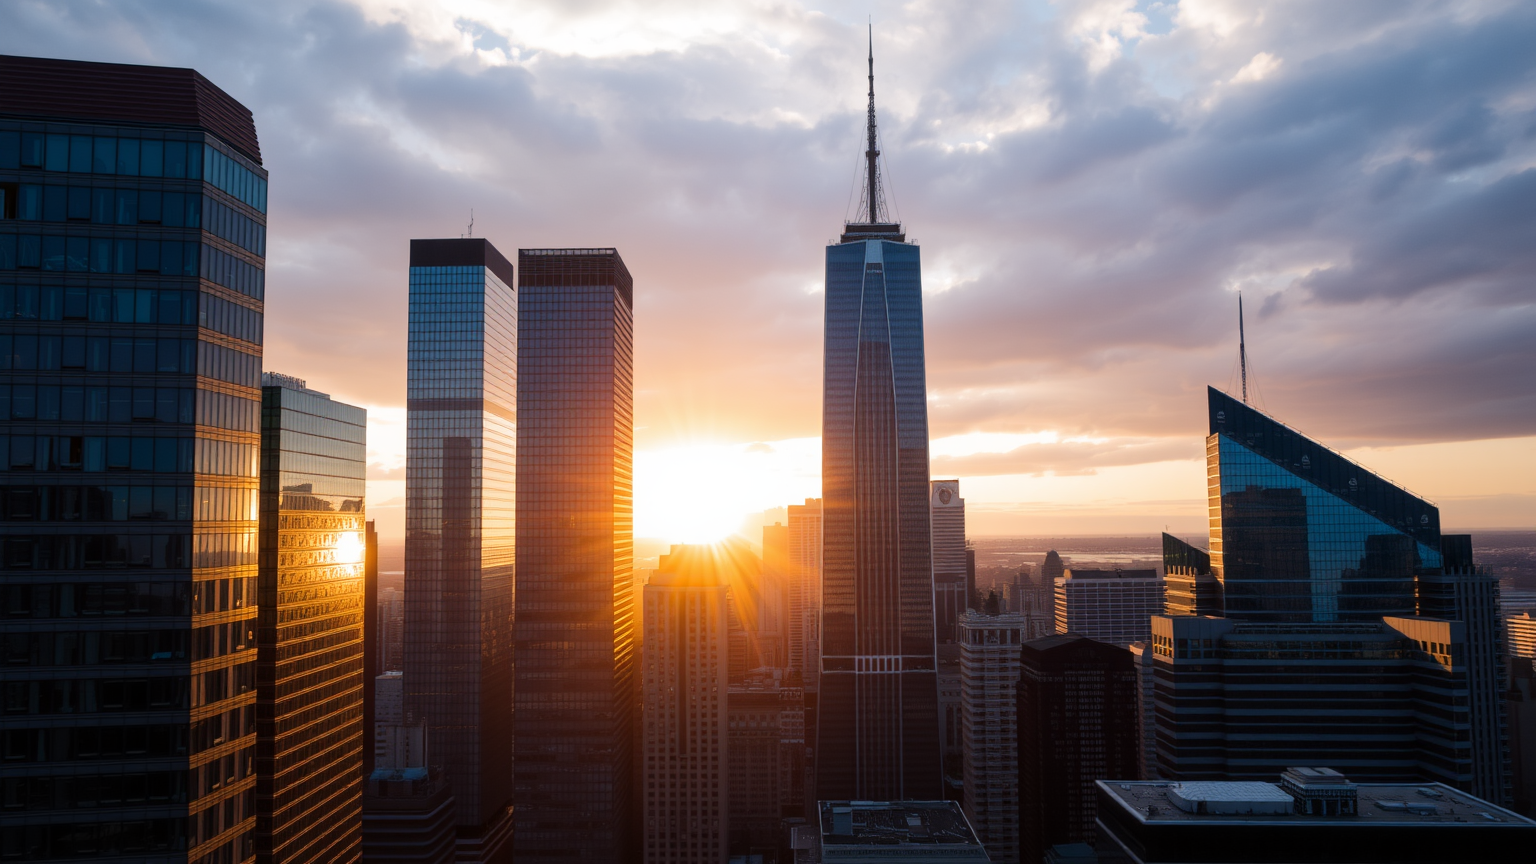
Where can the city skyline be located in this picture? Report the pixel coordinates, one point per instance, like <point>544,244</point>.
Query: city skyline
<point>1090,105</point>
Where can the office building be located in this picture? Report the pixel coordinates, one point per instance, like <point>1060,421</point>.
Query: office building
<point>989,677</point>
<point>372,658</point>
<point>391,629</point>
<point>684,709</point>
<point>1192,589</point>
<point>1114,606</point>
<point>1052,568</point>
<point>880,832</point>
<point>461,404</point>
<point>1299,534</point>
<point>1299,819</point>
<point>947,518</point>
<point>1243,701</point>
<point>408,806</point>
<point>765,752</point>
<point>577,691</point>
<point>1077,724</point>
<point>1146,708</point>
<point>773,597</point>
<point>877,709</point>
<point>310,592</point>
<point>388,710</point>
<point>804,522</point>
<point>1520,714</point>
<point>1522,635</point>
<point>132,244</point>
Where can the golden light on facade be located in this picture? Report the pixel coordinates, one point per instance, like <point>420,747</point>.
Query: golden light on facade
<point>349,548</point>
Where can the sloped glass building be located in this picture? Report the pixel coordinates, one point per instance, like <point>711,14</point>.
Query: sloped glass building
<point>132,244</point>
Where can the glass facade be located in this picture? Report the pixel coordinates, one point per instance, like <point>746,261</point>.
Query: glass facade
<point>877,716</point>
<point>128,485</point>
<point>460,473</point>
<point>310,594</point>
<point>577,717</point>
<point>1301,534</point>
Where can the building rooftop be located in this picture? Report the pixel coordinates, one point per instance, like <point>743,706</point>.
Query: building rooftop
<point>899,829</point>
<point>1158,802</point>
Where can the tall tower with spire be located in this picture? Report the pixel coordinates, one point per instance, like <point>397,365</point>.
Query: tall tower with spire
<point>877,717</point>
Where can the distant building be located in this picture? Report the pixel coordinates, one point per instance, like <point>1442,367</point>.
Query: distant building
<point>408,807</point>
<point>1051,568</point>
<point>1264,823</point>
<point>1192,589</point>
<point>389,709</point>
<point>1146,708</point>
<point>311,624</point>
<point>1243,701</point>
<point>391,629</point>
<point>1522,635</point>
<point>684,689</point>
<point>765,749</point>
<point>1114,606</point>
<point>950,594</point>
<point>891,832</point>
<point>989,677</point>
<point>1076,724</point>
<point>773,597</point>
<point>461,470</point>
<point>804,521</point>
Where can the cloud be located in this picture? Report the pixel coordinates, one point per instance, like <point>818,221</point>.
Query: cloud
<point>1091,183</point>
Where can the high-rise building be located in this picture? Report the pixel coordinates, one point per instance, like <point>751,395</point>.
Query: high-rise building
<point>132,244</point>
<point>1191,587</point>
<point>1146,708</point>
<point>1522,635</point>
<point>391,628</point>
<point>311,595</point>
<point>1238,700</point>
<point>947,518</point>
<point>877,711</point>
<point>765,752</point>
<point>684,689</point>
<point>1299,534</point>
<point>804,521</point>
<point>408,806</point>
<point>1077,725</point>
<point>989,677</point>
<point>461,447</point>
<point>773,597</point>
<point>1114,606</point>
<point>577,691</point>
<point>389,709</point>
<point>372,657</point>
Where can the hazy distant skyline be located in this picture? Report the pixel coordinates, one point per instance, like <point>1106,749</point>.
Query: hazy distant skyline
<point>1091,183</point>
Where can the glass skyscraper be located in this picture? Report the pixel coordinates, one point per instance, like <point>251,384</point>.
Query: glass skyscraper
<point>461,440</point>
<point>132,236</point>
<point>877,715</point>
<point>310,627</point>
<point>577,718</point>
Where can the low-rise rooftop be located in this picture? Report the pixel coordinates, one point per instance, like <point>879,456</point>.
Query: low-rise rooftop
<point>1159,801</point>
<point>928,831</point>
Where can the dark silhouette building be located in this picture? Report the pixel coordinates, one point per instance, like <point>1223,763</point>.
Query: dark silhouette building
<point>461,440</point>
<point>1077,725</point>
<point>311,592</point>
<point>132,244</point>
<point>577,719</point>
<point>877,711</point>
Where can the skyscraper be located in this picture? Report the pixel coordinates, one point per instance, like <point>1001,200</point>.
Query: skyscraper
<point>989,678</point>
<point>949,583</point>
<point>461,446</point>
<point>1302,535</point>
<point>1191,587</point>
<point>310,734</point>
<point>577,714</point>
<point>685,692</point>
<point>1077,725</point>
<point>804,522</point>
<point>1114,606</point>
<point>877,714</point>
<point>131,280</point>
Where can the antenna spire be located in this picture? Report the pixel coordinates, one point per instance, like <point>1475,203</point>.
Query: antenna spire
<point>1242,346</point>
<point>872,153</point>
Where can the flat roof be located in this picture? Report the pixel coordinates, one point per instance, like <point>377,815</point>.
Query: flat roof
<point>898,823</point>
<point>1378,803</point>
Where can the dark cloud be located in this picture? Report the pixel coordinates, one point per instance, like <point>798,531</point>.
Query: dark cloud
<point>1088,211</point>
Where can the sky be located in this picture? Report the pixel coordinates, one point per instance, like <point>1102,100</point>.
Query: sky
<point>1092,184</point>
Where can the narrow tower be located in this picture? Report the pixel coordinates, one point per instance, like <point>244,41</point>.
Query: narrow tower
<point>877,722</point>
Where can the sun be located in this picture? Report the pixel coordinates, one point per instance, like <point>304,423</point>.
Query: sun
<point>702,492</point>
